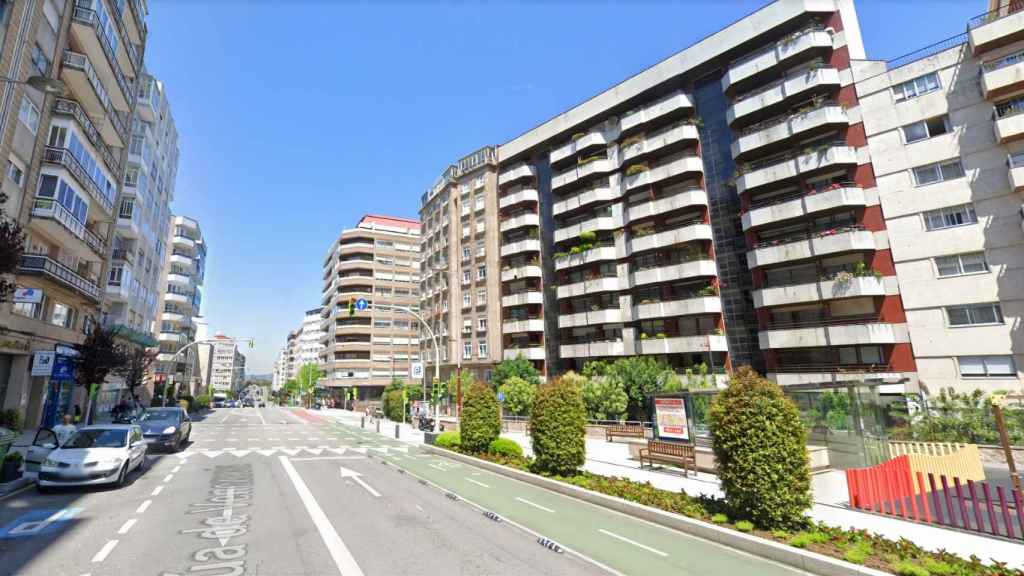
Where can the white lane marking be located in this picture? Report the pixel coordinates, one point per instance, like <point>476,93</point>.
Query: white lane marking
<point>142,507</point>
<point>314,458</point>
<point>127,526</point>
<point>105,551</point>
<point>339,552</point>
<point>157,491</point>
<point>175,469</point>
<point>260,414</point>
<point>168,478</point>
<point>346,473</point>
<point>633,542</point>
<point>477,482</point>
<point>535,505</point>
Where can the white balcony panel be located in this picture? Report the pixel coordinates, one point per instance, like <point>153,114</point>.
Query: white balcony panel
<point>181,260</point>
<point>781,51</point>
<point>791,126</point>
<point>695,269</point>
<point>517,326</point>
<point>803,206</point>
<point>839,335</point>
<point>667,204</point>
<point>599,254</point>
<point>657,141</point>
<point>672,308</point>
<point>1017,178</point>
<point>590,196</point>
<point>179,298</point>
<point>671,237</point>
<point>593,350</point>
<point>1002,80</point>
<point>590,225</point>
<point>591,318</point>
<point>529,271</point>
<point>684,165</point>
<point>1009,128</point>
<point>532,353</point>
<point>798,378</point>
<point>526,245</point>
<point>588,140</point>
<point>179,279</point>
<point>671,103</point>
<point>802,164</point>
<point>609,284</point>
<point>522,298</point>
<point>791,88</point>
<point>849,241</point>
<point>516,172</point>
<point>684,344</point>
<point>520,221</point>
<point>1001,29</point>
<point>523,195</point>
<point>819,291</point>
<point>575,173</point>
<point>172,317</point>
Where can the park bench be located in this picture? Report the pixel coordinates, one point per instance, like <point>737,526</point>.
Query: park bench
<point>623,431</point>
<point>682,455</point>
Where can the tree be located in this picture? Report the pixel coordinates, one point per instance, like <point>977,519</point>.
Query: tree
<point>639,378</point>
<point>604,397</point>
<point>481,419</point>
<point>98,356</point>
<point>518,395</point>
<point>519,366</point>
<point>137,362</point>
<point>670,382</point>
<point>394,400</point>
<point>306,378</point>
<point>760,447</point>
<point>558,428</point>
<point>12,246</point>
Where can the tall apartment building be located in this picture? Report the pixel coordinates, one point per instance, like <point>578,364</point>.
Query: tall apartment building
<point>459,257</point>
<point>292,355</point>
<point>183,271</point>
<point>280,374</point>
<point>311,336</point>
<point>377,261</point>
<point>222,366</point>
<point>64,161</point>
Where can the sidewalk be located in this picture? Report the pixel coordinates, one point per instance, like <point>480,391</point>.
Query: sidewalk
<point>612,459</point>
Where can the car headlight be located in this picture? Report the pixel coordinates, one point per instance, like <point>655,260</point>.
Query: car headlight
<point>110,463</point>
<point>51,463</point>
<point>169,430</point>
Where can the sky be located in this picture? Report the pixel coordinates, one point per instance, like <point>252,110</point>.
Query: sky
<point>296,117</point>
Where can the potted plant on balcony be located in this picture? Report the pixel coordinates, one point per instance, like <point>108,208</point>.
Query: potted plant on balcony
<point>643,336</point>
<point>709,290</point>
<point>636,169</point>
<point>661,336</point>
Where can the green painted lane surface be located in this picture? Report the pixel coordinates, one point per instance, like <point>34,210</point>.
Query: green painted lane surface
<point>625,544</point>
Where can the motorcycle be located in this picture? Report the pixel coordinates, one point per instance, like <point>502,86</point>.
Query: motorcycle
<point>426,425</point>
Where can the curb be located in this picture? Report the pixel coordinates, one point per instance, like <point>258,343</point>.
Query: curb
<point>794,557</point>
<point>15,486</point>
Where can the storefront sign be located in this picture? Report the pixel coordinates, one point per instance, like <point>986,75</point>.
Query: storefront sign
<point>12,344</point>
<point>63,369</point>
<point>28,295</point>
<point>670,414</point>
<point>42,363</point>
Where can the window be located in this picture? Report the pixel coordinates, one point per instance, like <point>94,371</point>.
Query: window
<point>131,176</point>
<point>466,252</point>
<point>950,216</point>
<point>39,60</point>
<point>481,272</point>
<point>481,349</point>
<point>481,324</point>
<point>467,350</point>
<point>924,129</point>
<point>15,173</point>
<point>938,172</point>
<point>28,114</point>
<point>116,275</point>
<point>465,276</point>
<point>960,264</point>
<point>28,309</point>
<point>481,296</point>
<point>63,315</point>
<point>986,366</point>
<point>466,300</point>
<point>974,314</point>
<point>916,87</point>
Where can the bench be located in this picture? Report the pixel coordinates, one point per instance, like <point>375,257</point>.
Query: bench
<point>682,455</point>
<point>623,431</point>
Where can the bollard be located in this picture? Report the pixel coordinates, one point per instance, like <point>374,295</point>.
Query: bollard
<point>362,422</point>
<point>396,431</point>
<point>378,426</point>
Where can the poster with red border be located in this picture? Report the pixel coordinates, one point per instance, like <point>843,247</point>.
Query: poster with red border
<point>670,415</point>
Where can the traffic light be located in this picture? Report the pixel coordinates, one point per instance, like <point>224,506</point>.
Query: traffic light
<point>351,306</point>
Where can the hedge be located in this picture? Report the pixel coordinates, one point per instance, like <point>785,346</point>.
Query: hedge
<point>481,418</point>
<point>558,426</point>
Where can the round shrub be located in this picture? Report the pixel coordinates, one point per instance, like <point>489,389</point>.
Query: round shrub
<point>393,402</point>
<point>448,439</point>
<point>759,443</point>
<point>481,419</point>
<point>558,427</point>
<point>506,447</point>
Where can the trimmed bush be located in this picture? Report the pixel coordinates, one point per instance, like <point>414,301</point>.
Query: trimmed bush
<point>481,419</point>
<point>720,518</point>
<point>448,439</point>
<point>10,419</point>
<point>506,447</point>
<point>558,426</point>
<point>760,446</point>
<point>745,526</point>
<point>518,395</point>
<point>393,400</point>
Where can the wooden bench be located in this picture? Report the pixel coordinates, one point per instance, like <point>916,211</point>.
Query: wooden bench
<point>682,455</point>
<point>623,431</point>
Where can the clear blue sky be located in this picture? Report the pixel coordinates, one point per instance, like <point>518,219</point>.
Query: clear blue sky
<point>297,117</point>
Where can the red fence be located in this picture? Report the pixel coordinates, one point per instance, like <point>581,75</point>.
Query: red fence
<point>891,488</point>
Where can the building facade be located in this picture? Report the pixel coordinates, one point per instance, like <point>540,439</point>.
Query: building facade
<point>64,159</point>
<point>183,271</point>
<point>311,336</point>
<point>377,261</point>
<point>224,368</point>
<point>459,286</point>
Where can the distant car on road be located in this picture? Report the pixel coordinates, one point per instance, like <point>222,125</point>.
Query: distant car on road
<point>218,403</point>
<point>168,428</point>
<point>93,455</point>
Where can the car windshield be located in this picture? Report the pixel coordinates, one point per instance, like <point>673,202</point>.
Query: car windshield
<point>160,416</point>
<point>98,438</point>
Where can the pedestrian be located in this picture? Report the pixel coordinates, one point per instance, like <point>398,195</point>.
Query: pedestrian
<point>64,431</point>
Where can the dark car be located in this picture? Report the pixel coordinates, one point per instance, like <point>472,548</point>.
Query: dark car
<point>168,428</point>
<point>248,403</point>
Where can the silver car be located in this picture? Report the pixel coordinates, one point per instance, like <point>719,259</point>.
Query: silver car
<point>93,455</point>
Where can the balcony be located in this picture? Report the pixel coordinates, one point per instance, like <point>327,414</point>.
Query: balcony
<point>1003,76</point>
<point>32,264</point>
<point>838,332</point>
<point>1010,121</point>
<point>674,308</point>
<point>591,286</point>
<point>519,272</point>
<point>523,298</point>
<point>672,272</point>
<point>594,349</point>
<point>777,133</point>
<point>175,337</point>
<point>185,241</point>
<point>773,98</point>
<point>62,157</point>
<point>801,205</point>
<point>84,81</point>
<point>759,174</point>
<point>640,147</point>
<point>599,193</point>
<point>517,326</point>
<point>1017,173</point>
<point>530,353</point>
<point>598,254</point>
<point>597,224</point>
<point>666,204</point>
<point>179,279</point>
<point>519,221</point>
<point>173,317</point>
<point>129,226</point>
<point>177,298</point>
<point>806,43</point>
<point>525,245</point>
<point>834,241</point>
<point>685,165</point>
<point>182,260</point>
<point>796,375</point>
<point>684,344</point>
<point>590,318</point>
<point>587,167</point>
<point>584,141</point>
<point>681,235</point>
<point>674,104</point>
<point>88,31</point>
<point>819,291</point>
<point>999,27</point>
<point>517,172</point>
<point>58,223</point>
<point>65,107</point>
<point>518,197</point>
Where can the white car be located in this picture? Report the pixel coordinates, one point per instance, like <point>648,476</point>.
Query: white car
<point>93,455</point>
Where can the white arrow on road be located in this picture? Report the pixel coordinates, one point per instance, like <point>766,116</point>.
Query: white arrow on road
<point>346,473</point>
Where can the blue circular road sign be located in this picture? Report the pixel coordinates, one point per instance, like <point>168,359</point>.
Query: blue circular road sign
<point>361,304</point>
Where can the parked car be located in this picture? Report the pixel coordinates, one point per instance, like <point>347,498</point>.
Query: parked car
<point>248,403</point>
<point>218,403</point>
<point>93,455</point>
<point>168,428</point>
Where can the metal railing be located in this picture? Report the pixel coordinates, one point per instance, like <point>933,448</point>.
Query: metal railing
<point>123,254</point>
<point>927,51</point>
<point>754,204</point>
<point>830,367</point>
<point>81,62</point>
<point>810,235</point>
<point>64,157</point>
<point>50,208</point>
<point>71,108</point>
<point>1008,60</point>
<point>1010,108</point>
<point>823,320</point>
<point>1011,7</point>
<point>36,264</point>
<point>89,17</point>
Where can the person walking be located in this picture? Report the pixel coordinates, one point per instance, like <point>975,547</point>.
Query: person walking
<point>65,430</point>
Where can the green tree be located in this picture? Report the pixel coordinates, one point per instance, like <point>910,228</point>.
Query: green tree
<point>414,392</point>
<point>520,367</point>
<point>670,382</point>
<point>137,362</point>
<point>518,395</point>
<point>760,446</point>
<point>12,246</point>
<point>98,355</point>
<point>306,378</point>
<point>605,399</point>
<point>558,428</point>
<point>394,400</point>
<point>639,378</point>
<point>481,421</point>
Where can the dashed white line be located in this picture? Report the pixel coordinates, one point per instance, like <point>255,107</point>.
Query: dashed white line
<point>168,478</point>
<point>157,491</point>
<point>477,482</point>
<point>105,551</point>
<point>633,542</point>
<point>127,526</point>
<point>535,505</point>
<point>142,507</point>
<point>175,469</point>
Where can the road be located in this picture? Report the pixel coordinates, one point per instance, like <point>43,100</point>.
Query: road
<point>276,492</point>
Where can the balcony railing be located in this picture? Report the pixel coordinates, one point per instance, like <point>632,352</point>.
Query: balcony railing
<point>1009,60</point>
<point>81,62</point>
<point>817,104</point>
<point>35,264</point>
<point>1012,7</point>
<point>50,208</point>
<point>755,204</point>
<point>89,17</point>
<point>829,367</point>
<point>799,237</point>
<point>71,108</point>
<point>123,255</point>
<point>1011,108</point>
<point>822,320</point>
<point>63,157</point>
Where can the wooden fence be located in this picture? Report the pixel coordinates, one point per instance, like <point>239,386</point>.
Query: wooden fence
<point>961,461</point>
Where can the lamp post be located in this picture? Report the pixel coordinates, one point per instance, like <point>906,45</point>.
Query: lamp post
<point>433,338</point>
<point>48,86</point>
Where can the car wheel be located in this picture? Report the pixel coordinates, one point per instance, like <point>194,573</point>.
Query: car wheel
<point>42,489</point>
<point>122,476</point>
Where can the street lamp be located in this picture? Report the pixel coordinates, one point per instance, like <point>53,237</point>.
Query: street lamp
<point>49,86</point>
<point>437,352</point>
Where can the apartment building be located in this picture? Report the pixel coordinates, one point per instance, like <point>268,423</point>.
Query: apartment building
<point>183,271</point>
<point>459,257</point>
<point>310,339</point>
<point>280,375</point>
<point>377,261</point>
<point>224,372</point>
<point>64,160</point>
<point>292,361</point>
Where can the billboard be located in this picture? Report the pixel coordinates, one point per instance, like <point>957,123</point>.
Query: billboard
<point>670,416</point>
